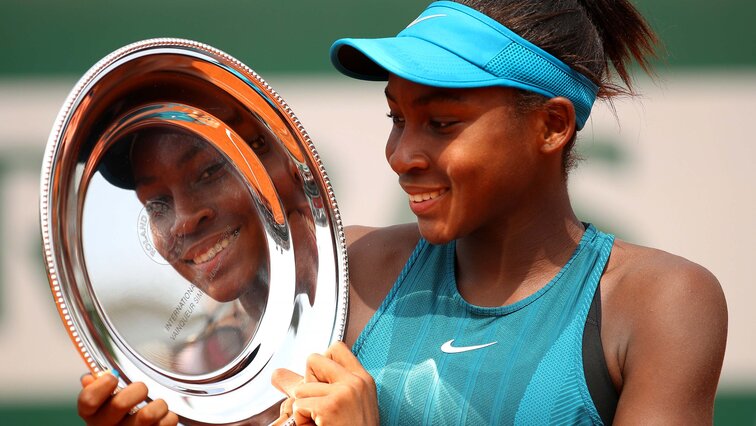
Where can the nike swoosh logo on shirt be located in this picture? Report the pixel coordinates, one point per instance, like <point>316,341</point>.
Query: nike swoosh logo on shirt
<point>449,349</point>
<point>421,19</point>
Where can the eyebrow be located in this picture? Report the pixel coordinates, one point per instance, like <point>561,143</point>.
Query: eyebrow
<point>188,155</point>
<point>439,95</point>
<point>144,180</point>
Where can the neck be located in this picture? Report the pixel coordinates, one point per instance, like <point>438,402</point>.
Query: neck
<point>507,262</point>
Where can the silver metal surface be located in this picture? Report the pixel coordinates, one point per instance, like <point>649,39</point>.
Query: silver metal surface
<point>191,236</point>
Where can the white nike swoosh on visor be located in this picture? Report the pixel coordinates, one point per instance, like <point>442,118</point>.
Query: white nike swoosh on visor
<point>423,18</point>
<point>449,349</point>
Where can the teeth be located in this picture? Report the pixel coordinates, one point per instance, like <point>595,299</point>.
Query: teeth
<point>425,196</point>
<point>214,250</point>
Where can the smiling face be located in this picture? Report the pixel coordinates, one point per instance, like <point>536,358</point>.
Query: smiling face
<point>466,158</point>
<point>202,215</point>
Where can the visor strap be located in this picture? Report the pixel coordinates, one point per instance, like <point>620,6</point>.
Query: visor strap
<point>486,43</point>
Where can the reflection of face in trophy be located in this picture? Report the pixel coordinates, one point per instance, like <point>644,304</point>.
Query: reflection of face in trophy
<point>205,219</point>
<point>202,215</point>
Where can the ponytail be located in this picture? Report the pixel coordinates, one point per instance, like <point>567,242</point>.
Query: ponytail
<point>625,35</point>
<point>593,37</point>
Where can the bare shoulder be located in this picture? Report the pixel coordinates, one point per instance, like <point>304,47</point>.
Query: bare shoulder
<point>368,234</point>
<point>646,287</point>
<point>638,270</point>
<point>367,245</point>
<point>664,325</point>
<point>376,257</point>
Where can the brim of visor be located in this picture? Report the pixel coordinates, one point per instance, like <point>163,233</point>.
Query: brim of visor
<point>412,59</point>
<point>115,167</point>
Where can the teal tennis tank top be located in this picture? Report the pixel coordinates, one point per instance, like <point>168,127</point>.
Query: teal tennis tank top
<point>438,360</point>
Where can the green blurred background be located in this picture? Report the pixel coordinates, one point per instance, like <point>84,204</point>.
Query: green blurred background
<point>50,43</point>
<point>45,37</point>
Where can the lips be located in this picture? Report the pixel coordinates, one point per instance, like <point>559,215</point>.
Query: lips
<point>207,254</point>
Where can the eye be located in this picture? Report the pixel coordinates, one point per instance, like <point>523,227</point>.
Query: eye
<point>157,208</point>
<point>259,144</point>
<point>441,124</point>
<point>212,171</point>
<point>396,119</point>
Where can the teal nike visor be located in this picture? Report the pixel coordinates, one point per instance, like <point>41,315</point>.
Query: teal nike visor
<point>454,46</point>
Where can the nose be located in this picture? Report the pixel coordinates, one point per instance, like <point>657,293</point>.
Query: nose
<point>405,152</point>
<point>190,215</point>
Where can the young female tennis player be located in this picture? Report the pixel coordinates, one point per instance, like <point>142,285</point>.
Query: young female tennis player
<point>499,306</point>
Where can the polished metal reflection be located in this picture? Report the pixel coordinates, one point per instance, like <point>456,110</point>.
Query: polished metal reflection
<point>191,235</point>
<point>199,251</point>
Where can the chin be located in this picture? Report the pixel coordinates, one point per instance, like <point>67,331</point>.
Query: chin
<point>221,294</point>
<point>231,286</point>
<point>435,233</point>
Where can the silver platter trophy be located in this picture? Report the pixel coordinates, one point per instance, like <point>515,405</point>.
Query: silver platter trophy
<point>191,236</point>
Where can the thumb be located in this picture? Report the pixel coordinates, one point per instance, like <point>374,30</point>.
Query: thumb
<point>86,380</point>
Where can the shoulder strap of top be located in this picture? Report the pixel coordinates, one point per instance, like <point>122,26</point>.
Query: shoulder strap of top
<point>600,386</point>
<point>598,380</point>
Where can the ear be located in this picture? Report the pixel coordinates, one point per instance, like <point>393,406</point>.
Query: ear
<point>558,124</point>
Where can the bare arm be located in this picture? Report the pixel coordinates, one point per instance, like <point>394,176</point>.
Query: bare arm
<point>672,318</point>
